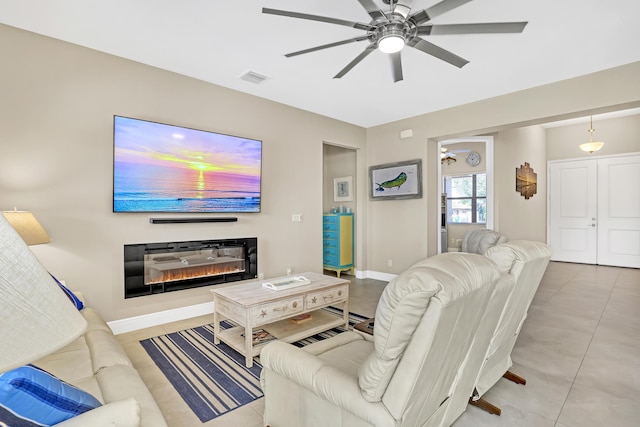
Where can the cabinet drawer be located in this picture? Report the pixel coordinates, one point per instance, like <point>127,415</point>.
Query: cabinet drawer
<point>330,219</point>
<point>330,260</point>
<point>277,310</point>
<point>330,250</point>
<point>327,296</point>
<point>330,226</point>
<point>330,235</point>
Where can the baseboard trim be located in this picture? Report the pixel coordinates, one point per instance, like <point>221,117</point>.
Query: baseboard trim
<point>377,275</point>
<point>154,319</point>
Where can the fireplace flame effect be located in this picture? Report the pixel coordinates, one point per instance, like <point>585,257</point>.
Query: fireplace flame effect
<point>157,274</point>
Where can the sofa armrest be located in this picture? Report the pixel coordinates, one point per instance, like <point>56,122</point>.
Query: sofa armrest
<point>320,378</point>
<point>123,413</point>
<point>323,346</point>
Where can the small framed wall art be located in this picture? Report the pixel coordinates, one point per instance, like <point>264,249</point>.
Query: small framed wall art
<point>392,181</point>
<point>343,189</point>
<point>526,181</point>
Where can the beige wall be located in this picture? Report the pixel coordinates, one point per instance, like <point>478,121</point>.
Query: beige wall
<point>396,229</point>
<point>517,217</point>
<point>56,118</point>
<point>620,135</point>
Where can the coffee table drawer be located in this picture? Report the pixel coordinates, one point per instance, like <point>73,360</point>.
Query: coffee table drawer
<point>327,296</point>
<point>266,313</point>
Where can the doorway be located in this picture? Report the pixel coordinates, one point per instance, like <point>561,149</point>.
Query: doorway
<point>340,244</point>
<point>594,211</point>
<point>473,162</point>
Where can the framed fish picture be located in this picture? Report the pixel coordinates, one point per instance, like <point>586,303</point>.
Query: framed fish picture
<point>393,181</point>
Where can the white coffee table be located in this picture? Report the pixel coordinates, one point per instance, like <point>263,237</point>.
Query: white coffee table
<point>251,306</point>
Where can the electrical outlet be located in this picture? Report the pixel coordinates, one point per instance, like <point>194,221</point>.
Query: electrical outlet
<point>260,276</point>
<point>296,217</point>
<point>390,263</point>
<point>289,271</point>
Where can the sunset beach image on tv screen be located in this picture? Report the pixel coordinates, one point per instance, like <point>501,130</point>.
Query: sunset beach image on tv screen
<point>165,168</point>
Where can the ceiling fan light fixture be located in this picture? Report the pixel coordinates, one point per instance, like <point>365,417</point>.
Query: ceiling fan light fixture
<point>392,38</point>
<point>391,44</point>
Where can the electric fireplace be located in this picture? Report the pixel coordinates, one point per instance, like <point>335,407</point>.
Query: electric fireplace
<point>152,268</point>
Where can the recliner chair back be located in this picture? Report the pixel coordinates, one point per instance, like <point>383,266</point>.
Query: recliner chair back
<point>526,261</point>
<point>425,323</point>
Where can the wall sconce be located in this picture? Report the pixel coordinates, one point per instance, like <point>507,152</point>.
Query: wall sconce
<point>591,146</point>
<point>27,226</point>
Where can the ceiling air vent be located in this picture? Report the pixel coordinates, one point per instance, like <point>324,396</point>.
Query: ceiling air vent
<point>253,77</point>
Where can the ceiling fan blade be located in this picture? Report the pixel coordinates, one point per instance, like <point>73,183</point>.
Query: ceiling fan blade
<point>356,61</point>
<point>326,46</point>
<point>437,51</point>
<point>403,7</point>
<point>485,28</point>
<point>436,10</point>
<point>373,10</point>
<point>396,66</point>
<point>290,14</point>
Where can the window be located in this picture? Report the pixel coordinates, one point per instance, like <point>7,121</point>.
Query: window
<point>466,198</point>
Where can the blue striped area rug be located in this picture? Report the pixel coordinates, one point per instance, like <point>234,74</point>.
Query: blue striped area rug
<point>212,379</point>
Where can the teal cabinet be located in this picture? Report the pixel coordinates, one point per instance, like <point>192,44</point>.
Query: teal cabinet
<point>337,238</point>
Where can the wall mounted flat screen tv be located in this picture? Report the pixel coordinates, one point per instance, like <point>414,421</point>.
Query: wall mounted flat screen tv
<point>164,168</point>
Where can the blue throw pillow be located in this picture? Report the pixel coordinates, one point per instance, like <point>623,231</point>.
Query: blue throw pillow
<point>30,396</point>
<point>74,299</point>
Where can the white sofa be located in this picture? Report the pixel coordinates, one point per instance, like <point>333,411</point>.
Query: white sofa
<point>439,335</point>
<point>407,372</point>
<point>96,363</point>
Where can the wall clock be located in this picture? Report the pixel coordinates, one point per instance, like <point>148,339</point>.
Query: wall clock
<point>473,159</point>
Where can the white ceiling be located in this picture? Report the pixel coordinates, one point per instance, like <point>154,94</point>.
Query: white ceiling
<point>217,41</point>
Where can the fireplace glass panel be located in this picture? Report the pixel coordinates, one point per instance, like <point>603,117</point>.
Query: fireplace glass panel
<point>162,267</point>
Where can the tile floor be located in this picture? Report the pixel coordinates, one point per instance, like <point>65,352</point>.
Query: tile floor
<point>579,351</point>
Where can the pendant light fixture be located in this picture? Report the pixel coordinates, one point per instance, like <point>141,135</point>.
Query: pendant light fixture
<point>591,146</point>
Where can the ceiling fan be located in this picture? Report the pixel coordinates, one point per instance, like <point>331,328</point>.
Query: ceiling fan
<point>449,156</point>
<point>390,31</point>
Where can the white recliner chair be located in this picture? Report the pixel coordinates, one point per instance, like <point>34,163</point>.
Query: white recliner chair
<point>526,261</point>
<point>406,373</point>
<point>479,240</point>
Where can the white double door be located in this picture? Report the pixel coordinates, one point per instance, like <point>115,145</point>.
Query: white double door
<point>594,211</point>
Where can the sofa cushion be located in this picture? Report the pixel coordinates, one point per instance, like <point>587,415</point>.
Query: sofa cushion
<point>123,413</point>
<point>73,365</point>
<point>349,354</point>
<point>105,350</point>
<point>36,396</point>
<point>120,382</point>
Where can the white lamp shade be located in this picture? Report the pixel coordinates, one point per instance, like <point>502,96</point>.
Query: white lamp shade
<point>27,226</point>
<point>36,317</point>
<point>591,146</point>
